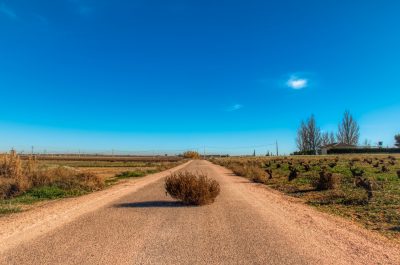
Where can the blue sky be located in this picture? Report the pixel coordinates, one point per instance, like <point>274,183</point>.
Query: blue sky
<point>165,76</point>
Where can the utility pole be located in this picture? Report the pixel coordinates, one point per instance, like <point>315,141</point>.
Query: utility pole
<point>204,152</point>
<point>32,150</point>
<point>277,150</point>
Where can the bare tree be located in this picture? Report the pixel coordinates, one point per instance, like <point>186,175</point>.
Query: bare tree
<point>301,139</point>
<point>314,134</point>
<point>325,139</point>
<point>348,130</point>
<point>308,135</point>
<point>332,138</point>
<point>397,140</point>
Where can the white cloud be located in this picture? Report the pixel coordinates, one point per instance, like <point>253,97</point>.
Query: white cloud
<point>296,82</point>
<point>234,107</point>
<point>7,11</point>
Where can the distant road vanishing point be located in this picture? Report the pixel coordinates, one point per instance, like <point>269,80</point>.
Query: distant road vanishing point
<point>136,223</point>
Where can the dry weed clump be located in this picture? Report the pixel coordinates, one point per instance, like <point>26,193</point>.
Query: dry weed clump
<point>326,181</point>
<point>364,183</point>
<point>8,188</point>
<point>269,172</point>
<point>293,173</point>
<point>191,155</point>
<point>238,170</point>
<point>192,189</point>
<point>256,174</point>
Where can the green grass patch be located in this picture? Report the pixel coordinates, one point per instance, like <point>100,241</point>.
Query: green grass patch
<point>6,209</point>
<point>134,174</point>
<point>128,175</point>
<point>43,193</point>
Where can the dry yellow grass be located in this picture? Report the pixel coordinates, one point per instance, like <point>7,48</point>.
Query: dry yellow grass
<point>17,177</point>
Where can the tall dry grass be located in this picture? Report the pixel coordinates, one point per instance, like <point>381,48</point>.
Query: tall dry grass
<point>17,177</point>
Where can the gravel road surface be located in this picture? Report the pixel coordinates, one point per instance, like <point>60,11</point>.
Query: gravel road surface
<point>139,224</point>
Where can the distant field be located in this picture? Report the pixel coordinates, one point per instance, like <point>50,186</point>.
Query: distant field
<point>105,158</point>
<point>363,188</point>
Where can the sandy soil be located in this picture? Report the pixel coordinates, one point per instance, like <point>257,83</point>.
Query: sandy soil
<point>136,223</point>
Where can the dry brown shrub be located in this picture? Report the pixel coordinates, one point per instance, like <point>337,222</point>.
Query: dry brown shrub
<point>8,188</point>
<point>12,170</point>
<point>192,189</point>
<point>238,170</point>
<point>256,174</point>
<point>326,181</point>
<point>269,172</point>
<point>191,155</point>
<point>293,173</point>
<point>364,183</point>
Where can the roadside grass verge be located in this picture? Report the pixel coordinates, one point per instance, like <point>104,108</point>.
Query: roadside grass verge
<point>363,188</point>
<point>8,209</point>
<point>26,182</point>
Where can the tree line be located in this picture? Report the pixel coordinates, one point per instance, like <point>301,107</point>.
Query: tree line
<point>310,137</point>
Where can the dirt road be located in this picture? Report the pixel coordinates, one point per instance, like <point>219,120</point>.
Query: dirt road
<point>248,224</point>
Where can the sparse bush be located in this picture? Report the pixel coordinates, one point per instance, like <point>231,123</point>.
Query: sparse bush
<point>238,170</point>
<point>191,155</point>
<point>332,164</point>
<point>365,184</point>
<point>192,189</point>
<point>326,181</point>
<point>12,170</point>
<point>269,172</point>
<point>256,174</point>
<point>368,160</point>
<point>8,188</point>
<point>293,173</point>
<point>356,172</point>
